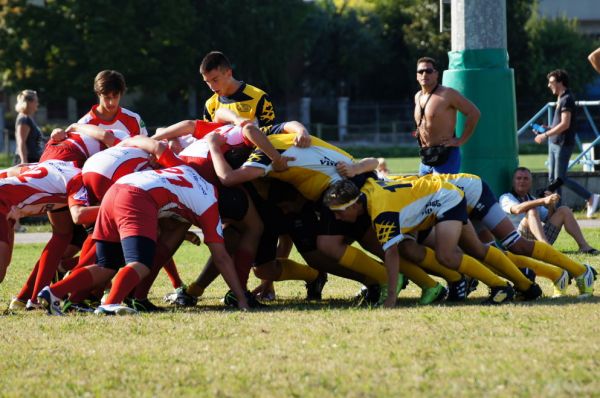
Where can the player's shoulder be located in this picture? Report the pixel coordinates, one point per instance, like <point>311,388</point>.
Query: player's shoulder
<point>130,113</point>
<point>85,119</point>
<point>253,91</point>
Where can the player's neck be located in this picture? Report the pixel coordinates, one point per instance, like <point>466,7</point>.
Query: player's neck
<point>104,114</point>
<point>232,87</point>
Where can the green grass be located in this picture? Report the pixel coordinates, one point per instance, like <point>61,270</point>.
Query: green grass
<point>331,349</point>
<point>410,165</point>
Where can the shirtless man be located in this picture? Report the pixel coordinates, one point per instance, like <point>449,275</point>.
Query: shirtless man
<point>435,117</point>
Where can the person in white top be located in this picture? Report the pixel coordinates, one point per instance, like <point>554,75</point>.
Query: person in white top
<point>539,218</point>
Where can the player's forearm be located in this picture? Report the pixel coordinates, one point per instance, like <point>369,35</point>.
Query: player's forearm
<point>176,130</point>
<point>261,142</point>
<point>224,115</point>
<point>222,168</point>
<point>84,214</point>
<point>366,165</point>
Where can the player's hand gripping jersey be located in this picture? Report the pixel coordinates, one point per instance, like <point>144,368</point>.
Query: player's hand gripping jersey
<point>42,187</point>
<point>180,192</point>
<point>398,208</point>
<point>78,147</point>
<point>125,120</point>
<point>313,169</point>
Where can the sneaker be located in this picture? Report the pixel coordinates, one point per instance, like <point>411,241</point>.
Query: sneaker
<point>114,309</point>
<point>83,307</point>
<point>533,293</point>
<point>500,294</point>
<point>231,300</point>
<point>49,301</point>
<point>433,294</point>
<point>144,305</point>
<point>30,306</point>
<point>457,291</point>
<point>16,304</point>
<point>585,282</point>
<point>180,298</point>
<point>314,289</point>
<point>591,209</point>
<point>561,285</point>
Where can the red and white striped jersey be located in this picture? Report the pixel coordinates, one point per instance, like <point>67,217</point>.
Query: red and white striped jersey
<point>123,120</point>
<point>198,156</point>
<point>180,192</point>
<point>106,167</point>
<point>78,147</point>
<point>42,187</point>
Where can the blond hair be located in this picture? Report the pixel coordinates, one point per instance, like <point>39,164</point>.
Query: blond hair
<point>23,99</point>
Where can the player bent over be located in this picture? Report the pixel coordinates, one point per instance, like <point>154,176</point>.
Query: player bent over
<point>126,233</point>
<point>398,209</point>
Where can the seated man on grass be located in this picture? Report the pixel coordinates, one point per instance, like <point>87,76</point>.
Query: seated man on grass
<point>539,218</point>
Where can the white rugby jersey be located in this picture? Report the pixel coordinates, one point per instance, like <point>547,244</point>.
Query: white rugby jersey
<point>125,120</point>
<point>180,192</point>
<point>41,187</point>
<point>104,168</point>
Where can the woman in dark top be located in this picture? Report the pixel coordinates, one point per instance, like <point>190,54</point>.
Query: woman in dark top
<point>27,133</point>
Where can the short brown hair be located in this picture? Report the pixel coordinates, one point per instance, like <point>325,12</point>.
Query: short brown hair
<point>560,75</point>
<point>427,60</point>
<point>214,60</point>
<point>109,81</point>
<point>341,191</point>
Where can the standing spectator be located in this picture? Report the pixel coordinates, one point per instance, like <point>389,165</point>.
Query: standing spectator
<point>27,133</point>
<point>561,137</point>
<point>435,113</point>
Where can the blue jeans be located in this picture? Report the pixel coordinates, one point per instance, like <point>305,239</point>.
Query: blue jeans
<point>452,165</point>
<point>558,161</point>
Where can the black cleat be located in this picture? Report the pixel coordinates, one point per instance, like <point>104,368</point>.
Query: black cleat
<point>314,289</point>
<point>458,291</point>
<point>533,293</point>
<point>500,295</point>
<point>231,300</point>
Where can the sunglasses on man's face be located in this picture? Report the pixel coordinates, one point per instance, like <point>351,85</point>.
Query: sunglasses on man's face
<point>428,71</point>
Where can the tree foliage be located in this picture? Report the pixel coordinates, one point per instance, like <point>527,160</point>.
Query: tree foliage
<point>365,49</point>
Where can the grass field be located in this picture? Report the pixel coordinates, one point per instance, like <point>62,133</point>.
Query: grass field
<point>329,349</point>
<point>535,162</point>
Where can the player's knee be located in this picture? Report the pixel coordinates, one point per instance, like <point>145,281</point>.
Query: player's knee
<point>331,247</point>
<point>448,258</point>
<point>266,271</point>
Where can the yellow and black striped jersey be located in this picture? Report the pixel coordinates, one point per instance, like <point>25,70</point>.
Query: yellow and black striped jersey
<point>248,101</point>
<point>313,169</point>
<point>470,184</point>
<point>408,205</point>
